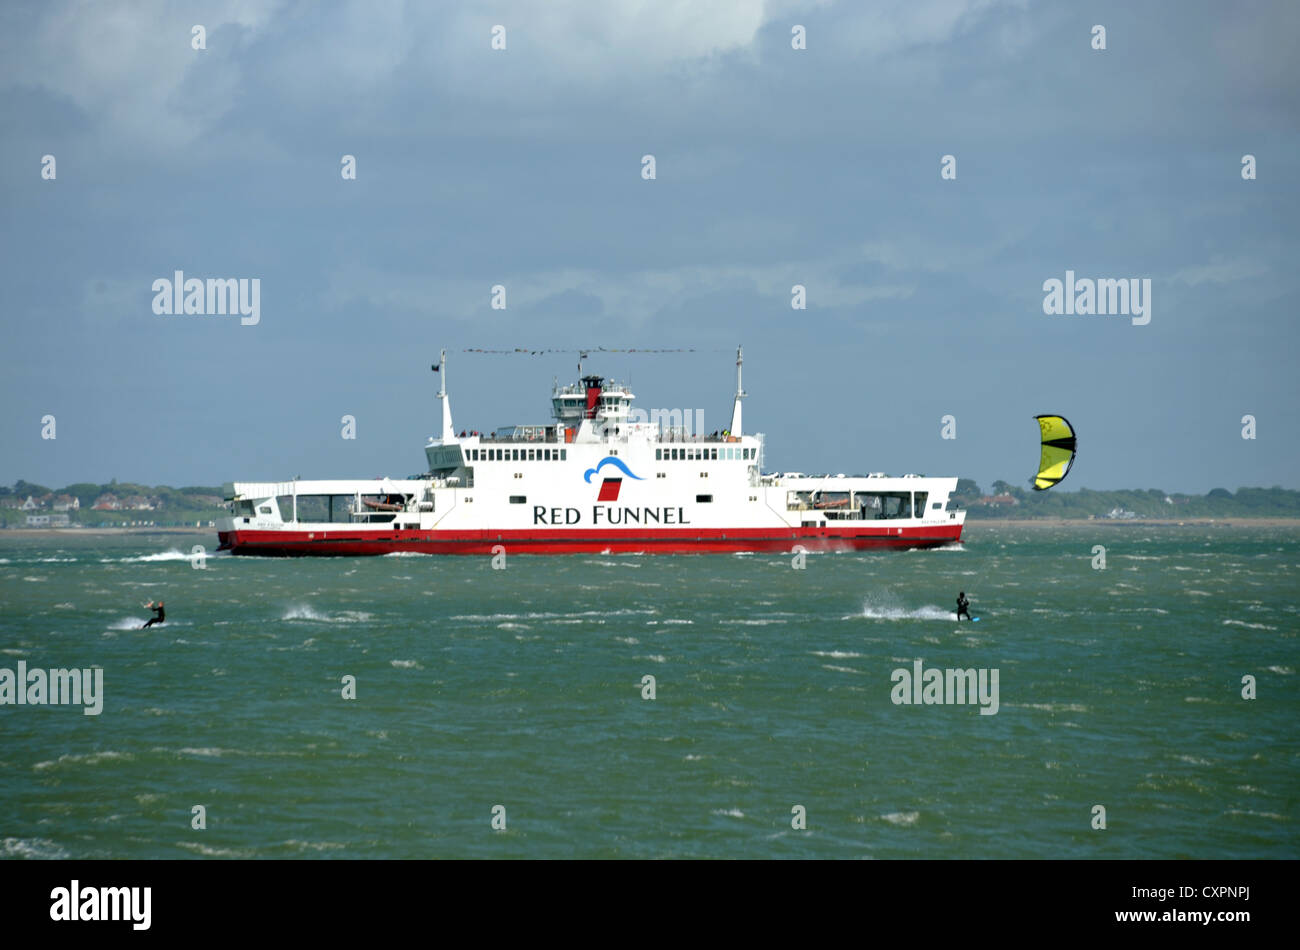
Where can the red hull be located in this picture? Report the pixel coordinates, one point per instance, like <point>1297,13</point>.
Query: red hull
<point>352,542</point>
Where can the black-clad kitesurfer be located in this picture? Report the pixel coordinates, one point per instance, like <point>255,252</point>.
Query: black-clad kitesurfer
<point>963,606</point>
<point>158,610</point>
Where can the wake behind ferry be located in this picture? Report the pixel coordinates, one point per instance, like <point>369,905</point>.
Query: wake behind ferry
<point>598,479</point>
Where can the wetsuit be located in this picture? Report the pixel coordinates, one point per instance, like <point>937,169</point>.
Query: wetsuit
<point>158,619</point>
<point>963,607</point>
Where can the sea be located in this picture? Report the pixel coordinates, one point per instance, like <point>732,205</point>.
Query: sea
<point>713,706</point>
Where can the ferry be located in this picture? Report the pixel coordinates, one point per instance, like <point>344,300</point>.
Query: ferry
<point>599,478</point>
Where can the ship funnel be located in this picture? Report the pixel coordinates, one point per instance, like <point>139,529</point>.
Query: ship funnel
<point>592,384</point>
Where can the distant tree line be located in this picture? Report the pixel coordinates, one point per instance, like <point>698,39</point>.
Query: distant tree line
<point>1275,502</point>
<point>171,505</point>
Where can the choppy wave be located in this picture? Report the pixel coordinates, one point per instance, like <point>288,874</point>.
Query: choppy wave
<point>1252,626</point>
<point>304,612</point>
<point>89,758</point>
<point>35,848</point>
<point>547,615</point>
<point>171,555</point>
<point>903,818</point>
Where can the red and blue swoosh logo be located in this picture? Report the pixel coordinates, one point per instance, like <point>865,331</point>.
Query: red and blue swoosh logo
<point>610,486</point>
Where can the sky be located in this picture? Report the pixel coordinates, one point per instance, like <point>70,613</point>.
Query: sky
<point>773,167</point>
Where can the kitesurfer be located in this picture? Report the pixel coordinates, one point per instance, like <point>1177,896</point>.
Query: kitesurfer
<point>963,606</point>
<point>160,618</point>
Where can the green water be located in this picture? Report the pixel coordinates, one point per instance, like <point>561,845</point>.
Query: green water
<point>522,688</point>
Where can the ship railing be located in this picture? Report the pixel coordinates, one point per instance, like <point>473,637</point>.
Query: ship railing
<point>683,436</point>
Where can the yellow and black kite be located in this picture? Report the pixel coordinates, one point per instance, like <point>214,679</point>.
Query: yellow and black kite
<point>1059,447</point>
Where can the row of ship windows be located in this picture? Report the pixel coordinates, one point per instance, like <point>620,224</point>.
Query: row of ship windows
<point>699,499</point>
<point>518,455</point>
<point>697,454</point>
<point>562,455</point>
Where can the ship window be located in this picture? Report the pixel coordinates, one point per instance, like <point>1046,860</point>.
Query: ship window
<point>530,455</point>
<point>564,454</point>
<point>518,499</point>
<point>714,455</point>
<point>659,455</point>
<point>878,506</point>
<point>546,455</point>
<point>703,499</point>
<point>514,456</point>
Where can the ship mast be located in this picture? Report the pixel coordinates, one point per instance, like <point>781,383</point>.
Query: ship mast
<point>740,394</point>
<point>448,430</point>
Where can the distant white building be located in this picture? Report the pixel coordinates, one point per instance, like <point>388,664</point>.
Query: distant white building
<point>38,521</point>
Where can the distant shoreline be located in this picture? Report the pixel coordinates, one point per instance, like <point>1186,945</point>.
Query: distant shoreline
<point>97,531</point>
<point>1135,522</point>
